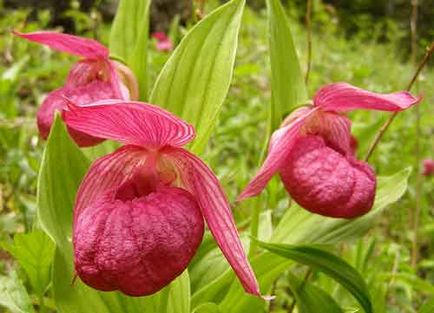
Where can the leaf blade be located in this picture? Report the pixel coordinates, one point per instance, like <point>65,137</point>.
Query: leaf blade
<point>195,80</point>
<point>327,263</point>
<point>129,38</point>
<point>288,87</point>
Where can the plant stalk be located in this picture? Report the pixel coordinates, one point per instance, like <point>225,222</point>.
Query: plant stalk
<point>389,121</point>
<point>414,215</point>
<point>309,39</point>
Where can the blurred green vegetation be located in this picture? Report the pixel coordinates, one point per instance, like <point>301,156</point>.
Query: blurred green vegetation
<point>358,48</point>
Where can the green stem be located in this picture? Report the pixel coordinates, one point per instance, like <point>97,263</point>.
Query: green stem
<point>254,226</point>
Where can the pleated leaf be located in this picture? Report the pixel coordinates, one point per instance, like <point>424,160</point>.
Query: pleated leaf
<point>129,39</point>
<point>195,80</point>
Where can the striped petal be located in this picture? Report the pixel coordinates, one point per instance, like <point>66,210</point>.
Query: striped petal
<point>130,122</point>
<point>343,97</point>
<point>79,46</point>
<point>201,182</point>
<point>280,146</point>
<point>108,173</point>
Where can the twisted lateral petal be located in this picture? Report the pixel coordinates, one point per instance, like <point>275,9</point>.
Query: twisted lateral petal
<point>200,181</point>
<point>280,146</point>
<point>342,97</point>
<point>108,173</point>
<point>83,47</point>
<point>130,122</point>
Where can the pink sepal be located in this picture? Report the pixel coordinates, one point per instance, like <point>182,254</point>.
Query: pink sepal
<point>130,122</point>
<point>343,97</point>
<point>84,47</point>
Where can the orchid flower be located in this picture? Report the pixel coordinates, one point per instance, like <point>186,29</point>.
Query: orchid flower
<point>313,151</point>
<point>94,77</point>
<point>164,44</point>
<point>428,167</point>
<point>138,216</point>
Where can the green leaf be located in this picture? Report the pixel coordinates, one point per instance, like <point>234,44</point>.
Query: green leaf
<point>207,308</point>
<point>288,87</point>
<point>195,80</point>
<point>428,306</point>
<point>329,264</point>
<point>34,252</point>
<point>179,295</point>
<point>63,167</point>
<point>129,39</point>
<point>311,299</point>
<point>296,227</point>
<point>13,295</point>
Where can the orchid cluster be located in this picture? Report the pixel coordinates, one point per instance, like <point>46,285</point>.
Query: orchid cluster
<point>140,211</point>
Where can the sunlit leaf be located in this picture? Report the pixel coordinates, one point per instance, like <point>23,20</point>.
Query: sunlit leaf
<point>329,264</point>
<point>34,252</point>
<point>129,39</point>
<point>13,295</point>
<point>195,80</point>
<point>288,87</point>
<point>207,308</point>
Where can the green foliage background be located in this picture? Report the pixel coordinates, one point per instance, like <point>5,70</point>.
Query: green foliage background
<point>348,46</point>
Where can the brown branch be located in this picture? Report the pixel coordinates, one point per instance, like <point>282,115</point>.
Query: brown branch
<point>389,121</point>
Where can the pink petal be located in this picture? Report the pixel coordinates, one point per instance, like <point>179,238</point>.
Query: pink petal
<point>342,97</point>
<point>108,173</point>
<point>55,101</point>
<point>160,36</point>
<point>428,167</point>
<point>84,47</point>
<point>86,71</point>
<point>130,122</point>
<point>334,128</point>
<point>280,146</point>
<point>165,45</point>
<point>200,181</point>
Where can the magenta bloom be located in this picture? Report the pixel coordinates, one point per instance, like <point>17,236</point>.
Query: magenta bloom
<point>164,44</point>
<point>138,216</point>
<point>313,152</point>
<point>428,167</point>
<point>94,77</point>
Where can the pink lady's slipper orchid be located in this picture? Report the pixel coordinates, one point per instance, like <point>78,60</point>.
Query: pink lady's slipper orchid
<point>94,77</point>
<point>164,44</point>
<point>313,152</point>
<point>138,216</point>
<point>428,167</point>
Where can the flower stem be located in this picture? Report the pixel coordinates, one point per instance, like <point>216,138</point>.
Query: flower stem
<point>309,39</point>
<point>389,121</point>
<point>254,226</point>
<point>414,216</point>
